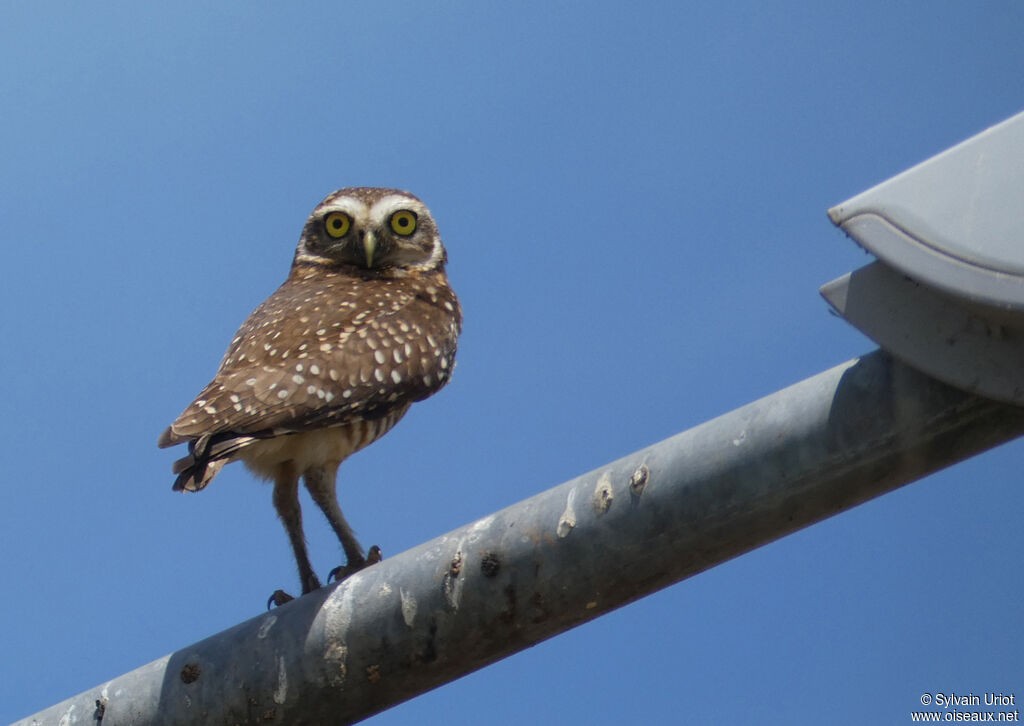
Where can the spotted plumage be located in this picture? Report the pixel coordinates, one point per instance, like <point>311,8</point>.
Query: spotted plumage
<point>365,325</point>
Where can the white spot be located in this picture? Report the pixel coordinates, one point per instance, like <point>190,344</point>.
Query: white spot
<point>378,374</point>
<point>281,692</point>
<point>370,341</point>
<point>333,374</point>
<point>323,331</point>
<point>250,382</point>
<point>448,306</point>
<point>201,402</point>
<point>298,367</point>
<point>397,355</point>
<point>234,398</point>
<point>326,347</point>
<point>479,526</point>
<point>444,363</point>
<point>567,522</point>
<point>210,409</point>
<point>299,380</point>
<point>314,369</point>
<point>347,393</point>
<point>265,626</point>
<point>283,393</point>
<point>396,376</point>
<point>431,341</point>
<point>427,380</point>
<point>378,355</point>
<point>328,396</point>
<point>409,607</point>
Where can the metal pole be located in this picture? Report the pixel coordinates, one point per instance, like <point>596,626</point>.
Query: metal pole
<point>565,556</point>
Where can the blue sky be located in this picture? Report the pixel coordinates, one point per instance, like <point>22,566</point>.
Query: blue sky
<point>633,199</point>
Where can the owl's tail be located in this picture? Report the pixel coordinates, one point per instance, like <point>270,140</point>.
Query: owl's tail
<point>206,456</point>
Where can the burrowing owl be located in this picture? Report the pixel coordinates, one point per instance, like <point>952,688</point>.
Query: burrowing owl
<point>364,325</point>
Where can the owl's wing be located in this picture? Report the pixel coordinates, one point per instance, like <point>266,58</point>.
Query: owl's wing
<point>306,359</point>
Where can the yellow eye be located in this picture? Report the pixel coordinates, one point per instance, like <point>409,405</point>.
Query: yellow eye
<point>337,224</point>
<point>403,222</point>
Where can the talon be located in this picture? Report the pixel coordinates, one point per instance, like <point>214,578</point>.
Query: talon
<point>375,555</point>
<point>279,598</point>
<point>340,572</point>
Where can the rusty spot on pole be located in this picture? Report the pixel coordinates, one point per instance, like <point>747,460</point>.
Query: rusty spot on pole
<point>490,564</point>
<point>456,565</point>
<point>638,481</point>
<point>190,673</point>
<point>603,495</point>
<point>451,587</point>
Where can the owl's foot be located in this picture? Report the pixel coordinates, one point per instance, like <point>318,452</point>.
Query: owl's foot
<point>353,566</point>
<point>279,598</point>
<point>310,582</point>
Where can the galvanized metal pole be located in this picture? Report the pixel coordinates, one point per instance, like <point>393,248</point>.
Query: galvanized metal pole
<point>491,588</point>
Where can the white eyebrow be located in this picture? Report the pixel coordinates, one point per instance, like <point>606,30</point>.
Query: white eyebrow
<point>386,206</point>
<point>354,208</point>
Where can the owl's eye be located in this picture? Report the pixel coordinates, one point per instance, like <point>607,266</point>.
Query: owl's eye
<point>403,222</point>
<point>337,224</point>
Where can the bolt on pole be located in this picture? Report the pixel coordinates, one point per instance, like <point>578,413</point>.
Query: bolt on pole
<point>480,593</point>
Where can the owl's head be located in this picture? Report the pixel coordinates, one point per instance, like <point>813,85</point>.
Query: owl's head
<point>377,231</point>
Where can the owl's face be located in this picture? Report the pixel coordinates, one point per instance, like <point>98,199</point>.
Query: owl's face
<point>376,230</point>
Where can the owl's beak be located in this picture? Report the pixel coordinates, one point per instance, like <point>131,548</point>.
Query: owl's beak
<point>369,247</point>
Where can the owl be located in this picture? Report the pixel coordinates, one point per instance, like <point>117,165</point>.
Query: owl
<point>365,325</point>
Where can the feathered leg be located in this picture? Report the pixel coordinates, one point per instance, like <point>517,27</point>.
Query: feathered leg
<point>322,485</point>
<point>286,502</point>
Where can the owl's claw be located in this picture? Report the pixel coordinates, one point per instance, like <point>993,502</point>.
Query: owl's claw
<point>279,598</point>
<point>340,572</point>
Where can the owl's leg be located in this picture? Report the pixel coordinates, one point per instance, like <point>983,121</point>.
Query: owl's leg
<point>322,485</point>
<point>286,502</point>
